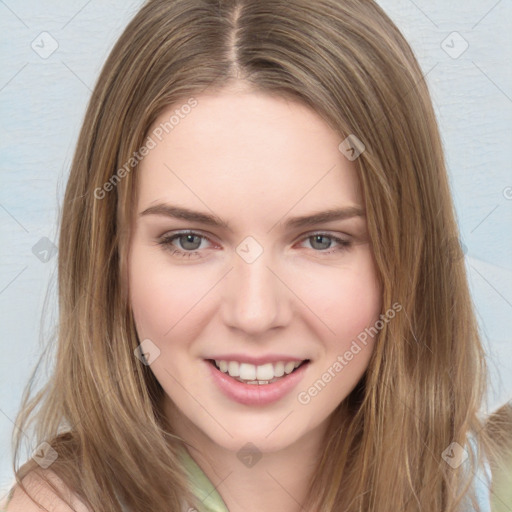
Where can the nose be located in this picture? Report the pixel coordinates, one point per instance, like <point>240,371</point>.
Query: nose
<point>256,298</point>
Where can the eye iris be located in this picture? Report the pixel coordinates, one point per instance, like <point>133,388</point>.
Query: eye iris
<point>316,238</point>
<point>188,239</point>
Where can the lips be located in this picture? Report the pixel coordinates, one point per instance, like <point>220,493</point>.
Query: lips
<point>256,393</point>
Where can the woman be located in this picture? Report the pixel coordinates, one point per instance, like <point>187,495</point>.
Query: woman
<point>294,146</point>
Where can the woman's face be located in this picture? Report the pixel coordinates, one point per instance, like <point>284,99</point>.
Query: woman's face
<point>230,260</point>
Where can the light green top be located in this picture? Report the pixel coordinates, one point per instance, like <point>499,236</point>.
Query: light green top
<point>202,487</point>
<point>502,488</point>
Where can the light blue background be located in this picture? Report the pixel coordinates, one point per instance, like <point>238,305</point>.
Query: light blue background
<point>42,102</point>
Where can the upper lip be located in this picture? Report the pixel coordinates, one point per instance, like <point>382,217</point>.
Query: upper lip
<point>257,361</point>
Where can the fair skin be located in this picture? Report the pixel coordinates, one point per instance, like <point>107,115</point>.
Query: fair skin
<point>45,495</point>
<point>254,161</point>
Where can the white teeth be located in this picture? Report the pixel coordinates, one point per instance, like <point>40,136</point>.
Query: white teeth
<point>254,374</point>
<point>265,372</point>
<point>289,367</point>
<point>247,371</point>
<point>234,369</point>
<point>279,369</point>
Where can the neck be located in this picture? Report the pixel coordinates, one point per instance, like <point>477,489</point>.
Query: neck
<point>250,480</point>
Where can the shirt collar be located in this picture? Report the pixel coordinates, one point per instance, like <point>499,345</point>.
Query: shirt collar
<point>201,486</point>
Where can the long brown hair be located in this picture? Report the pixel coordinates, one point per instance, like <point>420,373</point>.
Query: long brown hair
<point>101,410</point>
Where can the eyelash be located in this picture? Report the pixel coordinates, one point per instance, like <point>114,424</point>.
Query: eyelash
<point>166,243</point>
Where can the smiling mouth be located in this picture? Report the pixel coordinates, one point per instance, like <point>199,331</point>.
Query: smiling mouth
<point>260,375</point>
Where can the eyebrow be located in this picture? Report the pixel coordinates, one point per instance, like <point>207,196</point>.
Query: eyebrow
<point>177,212</point>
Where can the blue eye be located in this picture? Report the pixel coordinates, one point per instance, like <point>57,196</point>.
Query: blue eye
<point>188,240</point>
<point>317,237</point>
<point>189,243</point>
<point>326,241</point>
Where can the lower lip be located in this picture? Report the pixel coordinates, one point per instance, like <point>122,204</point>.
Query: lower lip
<point>255,394</point>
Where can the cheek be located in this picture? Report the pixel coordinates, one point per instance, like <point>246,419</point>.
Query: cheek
<point>168,300</point>
<point>349,302</point>
<point>355,307</point>
<point>157,295</point>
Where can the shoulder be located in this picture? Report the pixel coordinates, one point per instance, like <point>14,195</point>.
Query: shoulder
<point>42,492</point>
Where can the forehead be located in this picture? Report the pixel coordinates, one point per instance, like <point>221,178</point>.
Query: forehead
<point>245,149</point>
